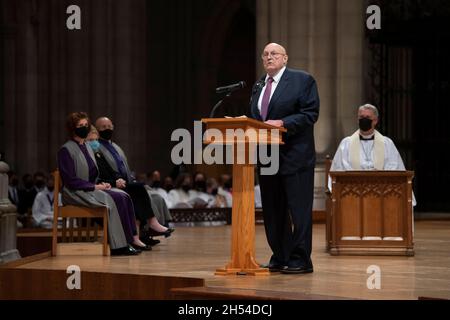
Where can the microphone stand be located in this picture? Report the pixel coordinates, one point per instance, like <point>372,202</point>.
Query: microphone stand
<point>218,104</point>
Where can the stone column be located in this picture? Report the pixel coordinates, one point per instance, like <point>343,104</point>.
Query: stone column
<point>8,220</point>
<point>324,38</point>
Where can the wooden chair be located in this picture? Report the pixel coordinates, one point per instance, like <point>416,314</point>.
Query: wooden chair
<point>83,230</point>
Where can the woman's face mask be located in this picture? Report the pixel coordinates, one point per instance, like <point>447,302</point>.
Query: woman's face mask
<point>82,132</point>
<point>95,145</point>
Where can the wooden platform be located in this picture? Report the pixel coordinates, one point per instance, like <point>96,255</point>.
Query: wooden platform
<point>182,267</point>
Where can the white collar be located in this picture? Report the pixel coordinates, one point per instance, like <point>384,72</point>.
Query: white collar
<point>277,77</point>
<point>368,136</point>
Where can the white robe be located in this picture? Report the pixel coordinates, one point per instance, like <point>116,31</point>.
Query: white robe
<point>42,210</point>
<point>164,194</point>
<point>392,158</point>
<point>179,198</point>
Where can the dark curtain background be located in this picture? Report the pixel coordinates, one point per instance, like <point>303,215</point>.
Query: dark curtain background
<point>151,66</point>
<point>409,79</point>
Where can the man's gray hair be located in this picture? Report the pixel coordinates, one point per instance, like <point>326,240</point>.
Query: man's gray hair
<point>369,107</point>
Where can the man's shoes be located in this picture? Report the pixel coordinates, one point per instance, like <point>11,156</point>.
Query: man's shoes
<point>274,267</point>
<point>298,269</point>
<point>125,251</point>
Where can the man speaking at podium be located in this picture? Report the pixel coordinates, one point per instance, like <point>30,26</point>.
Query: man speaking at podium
<point>288,98</point>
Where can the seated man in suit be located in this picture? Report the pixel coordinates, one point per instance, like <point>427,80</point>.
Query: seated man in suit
<point>119,175</point>
<point>367,149</point>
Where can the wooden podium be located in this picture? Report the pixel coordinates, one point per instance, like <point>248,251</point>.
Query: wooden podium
<point>243,211</point>
<point>370,213</point>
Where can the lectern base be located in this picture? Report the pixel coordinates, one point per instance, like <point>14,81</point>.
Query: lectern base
<point>244,272</point>
<point>373,250</point>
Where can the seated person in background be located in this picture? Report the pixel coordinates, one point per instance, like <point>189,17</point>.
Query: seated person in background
<point>160,199</point>
<point>116,171</point>
<point>42,210</point>
<point>216,200</point>
<point>26,195</point>
<point>39,179</point>
<point>79,173</point>
<point>367,149</point>
<point>13,188</point>
<point>156,185</point>
<point>168,184</point>
<point>105,174</point>
<point>13,194</point>
<point>198,197</point>
<point>180,196</point>
<point>225,186</point>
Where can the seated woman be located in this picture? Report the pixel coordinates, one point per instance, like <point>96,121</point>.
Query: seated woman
<point>139,196</point>
<point>79,174</point>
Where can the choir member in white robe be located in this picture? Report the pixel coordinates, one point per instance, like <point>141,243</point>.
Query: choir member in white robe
<point>42,210</point>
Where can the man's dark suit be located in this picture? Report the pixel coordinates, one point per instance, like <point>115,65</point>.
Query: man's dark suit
<point>291,190</point>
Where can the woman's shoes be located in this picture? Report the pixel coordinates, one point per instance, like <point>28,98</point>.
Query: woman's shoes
<point>154,233</point>
<point>169,232</point>
<point>149,241</point>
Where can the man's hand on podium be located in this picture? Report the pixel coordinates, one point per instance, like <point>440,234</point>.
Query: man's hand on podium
<point>275,123</point>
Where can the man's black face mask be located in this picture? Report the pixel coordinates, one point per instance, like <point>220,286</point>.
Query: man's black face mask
<point>106,134</point>
<point>365,124</point>
<point>200,185</point>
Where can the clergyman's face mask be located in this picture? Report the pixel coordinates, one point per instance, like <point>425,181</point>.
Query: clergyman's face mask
<point>365,124</point>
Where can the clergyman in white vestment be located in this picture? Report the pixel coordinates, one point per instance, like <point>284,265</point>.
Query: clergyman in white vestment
<point>367,149</point>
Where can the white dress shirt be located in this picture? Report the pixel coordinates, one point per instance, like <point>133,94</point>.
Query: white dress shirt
<point>276,80</point>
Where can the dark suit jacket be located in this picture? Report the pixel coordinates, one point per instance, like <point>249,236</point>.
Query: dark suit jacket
<point>296,102</point>
<point>105,172</point>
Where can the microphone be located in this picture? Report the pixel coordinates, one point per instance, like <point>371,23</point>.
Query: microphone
<point>258,85</point>
<point>231,87</point>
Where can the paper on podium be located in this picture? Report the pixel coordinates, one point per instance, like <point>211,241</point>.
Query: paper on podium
<point>243,117</point>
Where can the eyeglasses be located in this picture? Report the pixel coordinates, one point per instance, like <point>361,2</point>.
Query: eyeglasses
<point>266,55</point>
